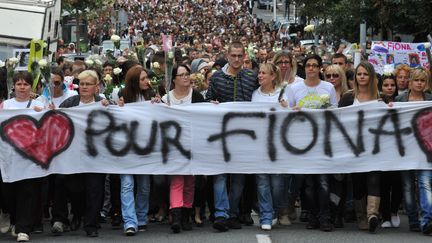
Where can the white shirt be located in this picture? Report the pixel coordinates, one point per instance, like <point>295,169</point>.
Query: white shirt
<point>57,101</point>
<point>259,96</point>
<point>174,101</point>
<point>14,104</point>
<point>301,95</point>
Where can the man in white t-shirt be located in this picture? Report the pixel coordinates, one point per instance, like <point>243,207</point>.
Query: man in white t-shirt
<point>314,93</point>
<point>60,90</point>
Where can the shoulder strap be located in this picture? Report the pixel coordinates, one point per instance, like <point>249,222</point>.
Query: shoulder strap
<point>29,103</point>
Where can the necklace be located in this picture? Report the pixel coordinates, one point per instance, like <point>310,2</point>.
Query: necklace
<point>271,93</point>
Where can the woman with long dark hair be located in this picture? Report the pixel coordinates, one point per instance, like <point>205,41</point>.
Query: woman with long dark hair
<point>134,210</point>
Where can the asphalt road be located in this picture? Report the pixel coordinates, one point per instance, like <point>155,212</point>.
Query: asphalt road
<point>161,233</point>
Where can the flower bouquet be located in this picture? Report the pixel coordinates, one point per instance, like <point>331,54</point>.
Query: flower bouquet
<point>116,41</point>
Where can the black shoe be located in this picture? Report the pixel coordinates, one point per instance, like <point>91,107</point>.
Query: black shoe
<point>176,219</point>
<point>116,220</point>
<point>427,230</point>
<point>130,231</point>
<point>350,216</point>
<point>142,228</point>
<point>373,224</point>
<point>326,227</point>
<point>185,219</point>
<point>102,219</point>
<point>304,216</point>
<point>312,224</point>
<point>233,223</point>
<point>246,219</point>
<point>75,223</point>
<point>220,224</point>
<point>414,228</point>
<point>37,229</point>
<point>338,222</point>
<point>92,233</point>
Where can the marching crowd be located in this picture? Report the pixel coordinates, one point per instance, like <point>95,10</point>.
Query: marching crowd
<point>237,59</point>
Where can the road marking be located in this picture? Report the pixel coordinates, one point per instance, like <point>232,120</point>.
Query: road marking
<point>263,238</point>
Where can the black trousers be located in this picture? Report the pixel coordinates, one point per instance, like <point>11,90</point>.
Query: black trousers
<point>204,193</point>
<point>391,193</point>
<point>23,198</point>
<point>366,184</point>
<point>86,193</point>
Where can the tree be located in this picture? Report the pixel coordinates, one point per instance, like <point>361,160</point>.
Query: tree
<point>80,8</point>
<point>341,18</point>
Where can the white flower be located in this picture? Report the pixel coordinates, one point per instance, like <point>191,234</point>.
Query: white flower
<point>43,63</point>
<point>117,70</point>
<point>115,38</point>
<point>155,65</point>
<point>13,60</point>
<point>2,64</point>
<point>45,45</point>
<point>309,28</point>
<point>170,54</point>
<point>325,98</point>
<point>98,62</point>
<point>89,62</point>
<point>108,77</point>
<point>427,45</point>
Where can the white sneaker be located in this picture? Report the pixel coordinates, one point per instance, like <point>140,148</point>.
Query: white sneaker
<point>386,224</point>
<point>57,228</point>
<point>266,227</point>
<point>12,229</point>
<point>395,221</point>
<point>23,237</point>
<point>4,223</point>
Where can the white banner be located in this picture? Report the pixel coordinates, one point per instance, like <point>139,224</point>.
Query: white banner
<point>143,138</point>
<point>395,53</point>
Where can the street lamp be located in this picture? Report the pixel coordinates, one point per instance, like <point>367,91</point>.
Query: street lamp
<point>116,9</point>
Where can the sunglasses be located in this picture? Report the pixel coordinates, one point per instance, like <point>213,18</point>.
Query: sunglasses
<point>332,75</point>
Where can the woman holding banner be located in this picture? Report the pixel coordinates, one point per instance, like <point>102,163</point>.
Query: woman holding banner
<point>365,185</point>
<point>87,185</point>
<point>22,197</point>
<point>417,84</point>
<point>137,88</point>
<point>182,186</point>
<point>270,186</point>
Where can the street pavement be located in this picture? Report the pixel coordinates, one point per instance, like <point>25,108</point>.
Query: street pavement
<point>161,233</point>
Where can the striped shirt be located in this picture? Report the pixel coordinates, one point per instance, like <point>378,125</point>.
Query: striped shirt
<point>225,88</point>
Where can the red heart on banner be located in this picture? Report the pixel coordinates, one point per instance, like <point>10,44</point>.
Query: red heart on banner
<point>39,140</point>
<point>422,125</point>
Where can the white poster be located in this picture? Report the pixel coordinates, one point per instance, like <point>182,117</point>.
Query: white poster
<point>144,138</point>
<point>395,53</point>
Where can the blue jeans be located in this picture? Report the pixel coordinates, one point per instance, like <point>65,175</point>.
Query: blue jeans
<point>227,206</point>
<point>270,195</point>
<point>408,193</point>
<point>425,194</point>
<point>134,211</point>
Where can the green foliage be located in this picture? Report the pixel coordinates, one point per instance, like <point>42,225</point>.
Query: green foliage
<point>341,18</point>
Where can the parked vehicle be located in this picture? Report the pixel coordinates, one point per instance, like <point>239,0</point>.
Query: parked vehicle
<point>264,3</point>
<point>25,20</point>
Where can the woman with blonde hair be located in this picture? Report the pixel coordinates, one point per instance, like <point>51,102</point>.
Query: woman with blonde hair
<point>270,186</point>
<point>365,185</point>
<point>417,85</point>
<point>335,75</point>
<point>287,64</point>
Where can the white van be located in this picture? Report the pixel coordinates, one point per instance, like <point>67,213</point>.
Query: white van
<point>24,20</point>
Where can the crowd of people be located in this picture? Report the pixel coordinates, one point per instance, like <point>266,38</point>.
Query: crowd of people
<point>232,61</point>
